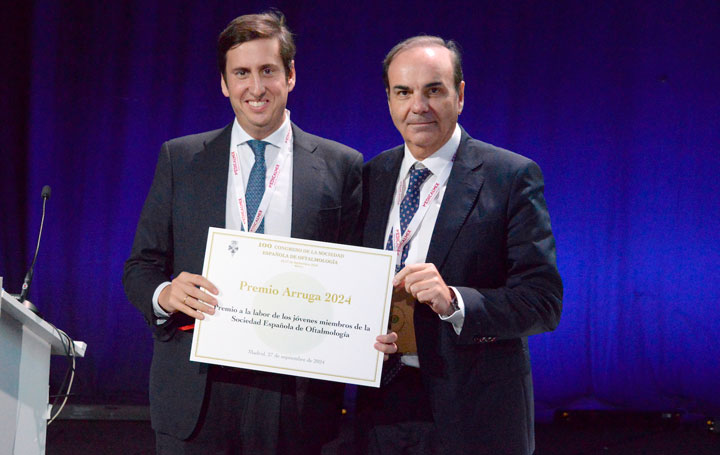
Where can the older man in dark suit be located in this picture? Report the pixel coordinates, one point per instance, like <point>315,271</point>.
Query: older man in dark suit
<point>220,178</point>
<point>476,263</point>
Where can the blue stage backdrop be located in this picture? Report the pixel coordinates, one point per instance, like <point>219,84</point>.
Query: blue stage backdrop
<point>617,101</point>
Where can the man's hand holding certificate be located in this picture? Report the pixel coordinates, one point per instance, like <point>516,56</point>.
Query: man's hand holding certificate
<point>297,307</point>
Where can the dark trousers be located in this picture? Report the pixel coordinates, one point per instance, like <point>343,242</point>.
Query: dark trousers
<point>396,419</point>
<point>244,412</point>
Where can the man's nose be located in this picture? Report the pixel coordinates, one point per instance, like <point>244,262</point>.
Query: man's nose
<point>419,103</point>
<point>257,88</point>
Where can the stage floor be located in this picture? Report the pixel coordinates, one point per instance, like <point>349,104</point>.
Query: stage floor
<point>110,437</point>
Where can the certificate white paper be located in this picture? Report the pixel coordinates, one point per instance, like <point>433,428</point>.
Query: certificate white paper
<point>297,307</point>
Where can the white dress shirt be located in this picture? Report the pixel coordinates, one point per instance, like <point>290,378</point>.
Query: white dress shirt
<point>278,218</point>
<point>420,242</point>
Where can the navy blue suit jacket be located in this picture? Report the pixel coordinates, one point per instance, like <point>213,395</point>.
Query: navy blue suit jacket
<point>187,196</point>
<point>492,240</point>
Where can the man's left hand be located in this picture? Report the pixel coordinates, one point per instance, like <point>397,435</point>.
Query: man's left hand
<point>386,344</point>
<point>423,281</point>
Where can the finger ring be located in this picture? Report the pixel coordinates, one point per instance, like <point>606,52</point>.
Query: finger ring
<point>185,299</point>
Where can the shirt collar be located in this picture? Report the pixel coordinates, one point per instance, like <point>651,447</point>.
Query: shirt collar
<point>438,160</point>
<point>276,138</point>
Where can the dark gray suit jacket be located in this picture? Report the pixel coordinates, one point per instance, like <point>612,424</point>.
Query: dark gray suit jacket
<point>187,196</point>
<point>492,241</point>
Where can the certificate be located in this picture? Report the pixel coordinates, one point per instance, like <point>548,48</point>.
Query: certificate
<point>296,307</point>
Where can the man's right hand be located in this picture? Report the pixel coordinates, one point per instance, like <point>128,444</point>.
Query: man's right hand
<point>184,295</point>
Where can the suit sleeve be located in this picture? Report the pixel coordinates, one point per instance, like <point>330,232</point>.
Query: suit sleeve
<point>530,302</point>
<point>352,199</point>
<point>150,261</point>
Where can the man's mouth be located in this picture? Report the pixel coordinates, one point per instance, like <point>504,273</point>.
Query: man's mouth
<point>260,103</point>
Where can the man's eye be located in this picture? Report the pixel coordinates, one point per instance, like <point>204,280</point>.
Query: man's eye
<point>268,71</point>
<point>240,73</point>
<point>434,90</point>
<point>402,93</point>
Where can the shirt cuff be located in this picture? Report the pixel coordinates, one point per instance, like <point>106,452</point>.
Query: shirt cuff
<point>458,317</point>
<point>161,314</point>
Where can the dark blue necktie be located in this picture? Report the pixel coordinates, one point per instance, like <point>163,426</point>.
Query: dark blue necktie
<point>256,183</point>
<point>408,207</point>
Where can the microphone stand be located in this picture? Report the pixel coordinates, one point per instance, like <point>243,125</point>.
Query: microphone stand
<point>22,298</point>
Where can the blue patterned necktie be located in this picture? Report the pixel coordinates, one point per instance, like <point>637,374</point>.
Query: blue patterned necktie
<point>408,207</point>
<point>256,183</point>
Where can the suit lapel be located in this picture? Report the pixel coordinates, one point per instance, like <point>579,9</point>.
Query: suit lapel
<point>308,170</point>
<point>462,191</point>
<point>308,174</point>
<point>211,188</point>
<point>382,190</point>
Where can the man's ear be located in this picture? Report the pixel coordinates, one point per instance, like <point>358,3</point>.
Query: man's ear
<point>461,97</point>
<point>291,78</point>
<point>223,86</point>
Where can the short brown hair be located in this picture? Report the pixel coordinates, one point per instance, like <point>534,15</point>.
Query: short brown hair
<point>270,24</point>
<point>426,40</point>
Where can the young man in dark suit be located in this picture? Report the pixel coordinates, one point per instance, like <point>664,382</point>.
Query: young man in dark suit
<point>476,264</point>
<point>219,178</point>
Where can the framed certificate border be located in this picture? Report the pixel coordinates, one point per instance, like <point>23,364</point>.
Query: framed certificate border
<point>298,307</point>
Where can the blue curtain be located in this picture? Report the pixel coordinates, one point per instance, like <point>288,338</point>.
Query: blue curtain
<point>617,101</point>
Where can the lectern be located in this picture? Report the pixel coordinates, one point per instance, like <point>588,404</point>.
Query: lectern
<point>26,343</point>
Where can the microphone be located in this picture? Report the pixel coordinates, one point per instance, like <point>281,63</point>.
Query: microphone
<point>29,275</point>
